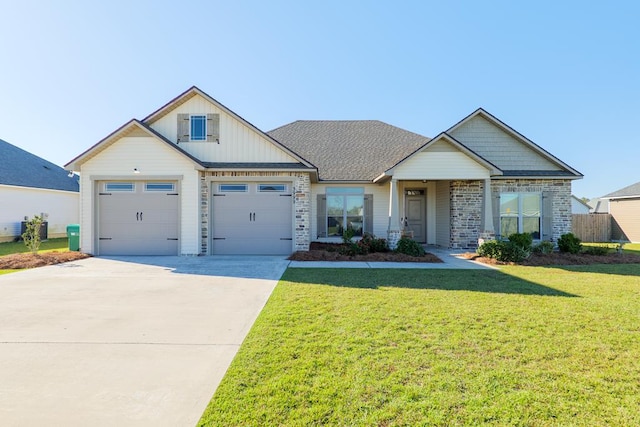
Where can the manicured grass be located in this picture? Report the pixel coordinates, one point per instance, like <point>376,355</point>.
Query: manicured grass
<point>60,244</point>
<point>628,247</point>
<point>520,346</point>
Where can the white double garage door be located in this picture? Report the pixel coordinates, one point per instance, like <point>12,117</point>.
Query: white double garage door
<point>143,218</point>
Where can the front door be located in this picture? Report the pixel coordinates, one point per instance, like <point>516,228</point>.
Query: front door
<point>416,214</point>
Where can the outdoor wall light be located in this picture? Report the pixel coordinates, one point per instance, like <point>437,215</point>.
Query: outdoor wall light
<point>135,170</point>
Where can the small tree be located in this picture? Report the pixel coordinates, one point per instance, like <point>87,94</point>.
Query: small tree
<point>31,236</point>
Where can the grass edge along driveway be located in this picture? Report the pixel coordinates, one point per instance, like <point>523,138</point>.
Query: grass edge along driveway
<point>519,346</point>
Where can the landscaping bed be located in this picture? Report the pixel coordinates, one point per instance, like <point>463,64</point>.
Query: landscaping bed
<point>558,258</point>
<point>334,252</point>
<point>29,260</point>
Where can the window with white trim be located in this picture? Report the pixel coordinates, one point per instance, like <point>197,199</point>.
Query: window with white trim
<point>521,213</point>
<point>345,210</point>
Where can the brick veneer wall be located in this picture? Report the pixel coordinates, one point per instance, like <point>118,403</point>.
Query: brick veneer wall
<point>467,204</point>
<point>466,213</point>
<point>301,201</point>
<point>558,189</point>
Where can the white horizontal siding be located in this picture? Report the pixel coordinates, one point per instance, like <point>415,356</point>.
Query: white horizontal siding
<point>61,208</point>
<point>238,142</point>
<point>498,147</point>
<point>380,206</point>
<point>151,157</point>
<point>440,165</point>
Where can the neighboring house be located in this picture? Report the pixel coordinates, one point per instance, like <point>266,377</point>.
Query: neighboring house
<point>194,178</point>
<point>624,207</point>
<point>29,186</point>
<point>578,206</point>
<point>599,206</point>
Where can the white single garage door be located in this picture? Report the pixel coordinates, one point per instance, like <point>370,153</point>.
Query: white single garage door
<point>251,219</point>
<point>138,218</point>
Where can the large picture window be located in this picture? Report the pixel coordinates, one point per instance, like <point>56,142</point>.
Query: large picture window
<point>345,210</point>
<point>520,213</point>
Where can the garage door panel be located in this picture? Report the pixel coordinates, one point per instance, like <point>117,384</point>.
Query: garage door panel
<point>138,223</point>
<point>252,223</point>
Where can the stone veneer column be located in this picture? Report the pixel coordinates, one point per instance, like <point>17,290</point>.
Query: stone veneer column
<point>302,206</point>
<point>466,213</point>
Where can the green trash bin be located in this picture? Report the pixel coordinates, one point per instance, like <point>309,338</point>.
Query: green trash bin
<point>73,234</point>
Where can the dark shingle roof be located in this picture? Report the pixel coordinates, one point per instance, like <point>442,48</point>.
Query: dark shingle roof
<point>348,150</point>
<point>540,173</point>
<point>21,168</point>
<point>631,191</point>
<point>254,165</point>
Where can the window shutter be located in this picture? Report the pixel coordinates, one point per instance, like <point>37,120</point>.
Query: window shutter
<point>213,127</point>
<point>368,213</point>
<point>547,215</point>
<point>321,211</point>
<point>183,128</point>
<point>496,215</point>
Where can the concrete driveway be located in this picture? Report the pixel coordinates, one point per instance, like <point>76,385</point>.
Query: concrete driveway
<point>125,341</point>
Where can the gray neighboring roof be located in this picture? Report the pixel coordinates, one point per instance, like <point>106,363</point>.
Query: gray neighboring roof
<point>21,168</point>
<point>631,191</point>
<point>348,150</point>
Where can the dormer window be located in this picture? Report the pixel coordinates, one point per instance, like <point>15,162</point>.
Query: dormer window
<point>198,128</point>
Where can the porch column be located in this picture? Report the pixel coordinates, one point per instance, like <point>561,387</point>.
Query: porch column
<point>394,231</point>
<point>487,232</point>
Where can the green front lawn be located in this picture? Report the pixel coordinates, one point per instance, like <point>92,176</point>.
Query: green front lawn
<point>519,346</point>
<point>60,244</point>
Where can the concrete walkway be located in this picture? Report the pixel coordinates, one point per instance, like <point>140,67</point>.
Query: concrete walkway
<point>124,342</point>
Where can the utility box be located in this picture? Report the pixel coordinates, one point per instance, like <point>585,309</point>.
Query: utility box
<point>44,230</point>
<point>73,234</point>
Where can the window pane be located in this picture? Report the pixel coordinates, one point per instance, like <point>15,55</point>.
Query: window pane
<point>272,188</point>
<point>159,186</point>
<point>335,226</point>
<point>198,128</point>
<point>531,225</point>
<point>530,204</point>
<point>232,188</point>
<point>508,226</point>
<point>335,206</point>
<point>119,186</point>
<point>508,204</point>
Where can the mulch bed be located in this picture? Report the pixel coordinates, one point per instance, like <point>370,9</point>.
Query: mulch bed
<point>29,260</point>
<point>564,259</point>
<point>330,252</point>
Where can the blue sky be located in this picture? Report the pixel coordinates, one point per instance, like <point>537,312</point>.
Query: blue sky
<point>564,74</point>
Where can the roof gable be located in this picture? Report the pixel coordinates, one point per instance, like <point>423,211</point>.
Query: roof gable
<point>23,169</point>
<point>436,160</point>
<point>131,128</point>
<point>349,150</point>
<point>506,148</point>
<point>239,141</point>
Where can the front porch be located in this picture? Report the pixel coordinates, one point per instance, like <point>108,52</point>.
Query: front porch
<point>444,213</point>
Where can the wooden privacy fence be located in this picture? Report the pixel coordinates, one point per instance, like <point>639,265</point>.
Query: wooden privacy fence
<point>592,227</point>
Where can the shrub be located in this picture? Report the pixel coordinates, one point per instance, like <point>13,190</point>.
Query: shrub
<point>351,249</point>
<point>595,250</point>
<point>347,235</point>
<point>524,240</point>
<point>410,247</point>
<point>490,249</point>
<point>371,244</point>
<point>503,251</point>
<point>31,236</point>
<point>569,243</point>
<point>544,247</point>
